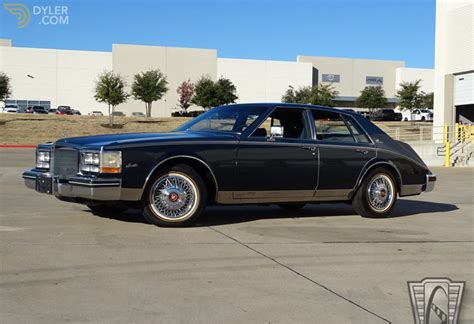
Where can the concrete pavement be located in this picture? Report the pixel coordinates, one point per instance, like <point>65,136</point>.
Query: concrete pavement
<point>322,264</point>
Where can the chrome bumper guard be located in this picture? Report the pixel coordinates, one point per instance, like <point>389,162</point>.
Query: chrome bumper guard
<point>75,187</point>
<point>430,183</point>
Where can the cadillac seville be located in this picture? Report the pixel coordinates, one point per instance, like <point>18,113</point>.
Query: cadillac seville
<point>284,154</point>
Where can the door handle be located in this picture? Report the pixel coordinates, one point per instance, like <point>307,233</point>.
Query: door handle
<point>309,148</point>
<point>362,151</point>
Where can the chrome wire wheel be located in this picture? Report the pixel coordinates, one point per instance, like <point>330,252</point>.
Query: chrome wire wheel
<point>174,197</point>
<point>380,193</point>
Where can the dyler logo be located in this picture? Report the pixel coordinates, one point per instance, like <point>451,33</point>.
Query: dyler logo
<point>21,12</point>
<point>436,300</point>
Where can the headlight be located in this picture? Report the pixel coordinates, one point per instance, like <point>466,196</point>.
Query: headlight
<point>103,162</point>
<point>111,162</point>
<point>42,159</point>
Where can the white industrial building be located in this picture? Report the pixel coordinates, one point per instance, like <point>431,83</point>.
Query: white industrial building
<point>454,64</point>
<point>53,77</point>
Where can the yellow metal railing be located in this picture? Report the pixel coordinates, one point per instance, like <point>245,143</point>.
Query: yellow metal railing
<point>461,136</point>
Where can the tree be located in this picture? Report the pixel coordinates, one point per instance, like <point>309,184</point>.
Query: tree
<point>226,91</point>
<point>149,86</point>
<point>110,89</point>
<point>185,92</point>
<point>321,94</point>
<point>409,96</point>
<point>208,93</point>
<point>428,100</point>
<point>372,98</point>
<point>301,95</point>
<point>5,87</point>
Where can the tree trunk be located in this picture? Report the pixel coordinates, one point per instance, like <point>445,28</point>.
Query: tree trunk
<point>110,117</point>
<point>411,117</point>
<point>149,109</point>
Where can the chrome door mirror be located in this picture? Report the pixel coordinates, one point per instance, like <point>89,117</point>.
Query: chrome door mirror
<point>276,132</point>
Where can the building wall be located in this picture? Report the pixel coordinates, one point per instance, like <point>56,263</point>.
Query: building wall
<point>353,73</point>
<point>410,74</point>
<point>178,64</point>
<point>454,54</point>
<point>264,81</point>
<point>60,76</point>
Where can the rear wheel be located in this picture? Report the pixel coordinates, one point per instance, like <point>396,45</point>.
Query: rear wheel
<point>175,197</point>
<point>376,195</point>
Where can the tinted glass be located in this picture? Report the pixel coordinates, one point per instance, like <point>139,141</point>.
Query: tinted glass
<point>291,119</point>
<point>225,119</point>
<point>331,127</point>
<point>360,136</point>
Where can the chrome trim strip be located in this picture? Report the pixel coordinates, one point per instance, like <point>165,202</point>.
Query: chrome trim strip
<point>280,196</point>
<point>178,157</point>
<point>273,194</point>
<point>105,184</point>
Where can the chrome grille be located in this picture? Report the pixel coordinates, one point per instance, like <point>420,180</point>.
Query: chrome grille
<point>65,162</point>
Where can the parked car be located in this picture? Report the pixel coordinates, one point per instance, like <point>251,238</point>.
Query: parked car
<point>418,115</point>
<point>11,109</point>
<point>137,114</point>
<point>36,110</point>
<point>96,113</point>
<point>118,114</point>
<point>285,154</point>
<point>386,115</point>
<point>64,110</point>
<point>52,111</point>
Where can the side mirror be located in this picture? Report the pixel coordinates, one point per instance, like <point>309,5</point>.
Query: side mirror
<point>276,132</point>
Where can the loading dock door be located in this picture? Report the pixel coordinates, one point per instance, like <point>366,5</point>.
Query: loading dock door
<point>464,97</point>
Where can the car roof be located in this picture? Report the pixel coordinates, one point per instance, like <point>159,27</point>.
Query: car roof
<point>290,105</point>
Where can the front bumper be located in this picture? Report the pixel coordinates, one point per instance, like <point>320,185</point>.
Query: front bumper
<point>86,187</point>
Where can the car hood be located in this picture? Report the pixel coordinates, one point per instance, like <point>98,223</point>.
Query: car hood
<point>137,139</point>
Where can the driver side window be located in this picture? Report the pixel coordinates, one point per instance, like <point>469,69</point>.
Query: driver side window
<point>291,120</point>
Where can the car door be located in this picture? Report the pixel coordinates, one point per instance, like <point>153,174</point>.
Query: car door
<point>344,150</point>
<point>278,168</point>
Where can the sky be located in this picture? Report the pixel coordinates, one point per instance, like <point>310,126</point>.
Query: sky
<point>260,29</point>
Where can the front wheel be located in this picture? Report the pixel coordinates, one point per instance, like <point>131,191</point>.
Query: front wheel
<point>376,195</point>
<point>176,197</point>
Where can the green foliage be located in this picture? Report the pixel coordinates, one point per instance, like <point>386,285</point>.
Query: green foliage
<point>428,100</point>
<point>208,94</point>
<point>372,98</point>
<point>110,89</point>
<point>5,87</point>
<point>185,92</point>
<point>149,86</point>
<point>301,95</point>
<point>409,96</point>
<point>321,94</point>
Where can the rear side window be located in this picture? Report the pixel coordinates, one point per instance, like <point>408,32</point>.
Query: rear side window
<point>330,127</point>
<point>360,136</point>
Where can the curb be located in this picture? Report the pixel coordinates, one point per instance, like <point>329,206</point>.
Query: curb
<point>16,146</point>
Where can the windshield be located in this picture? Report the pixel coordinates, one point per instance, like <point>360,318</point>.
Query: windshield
<point>225,119</point>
